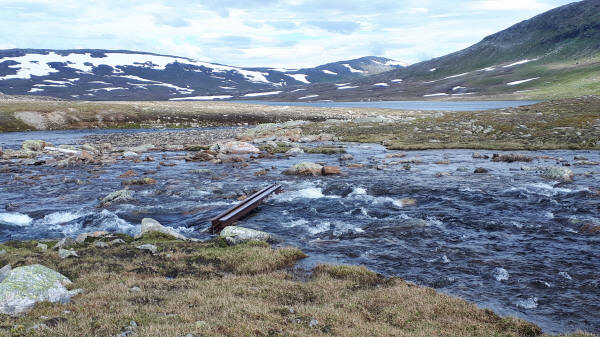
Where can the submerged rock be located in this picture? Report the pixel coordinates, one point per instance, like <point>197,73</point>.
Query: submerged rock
<point>305,169</point>
<point>294,151</point>
<point>150,225</point>
<point>480,170</point>
<point>123,195</point>
<point>561,174</point>
<point>235,235</point>
<point>25,286</point>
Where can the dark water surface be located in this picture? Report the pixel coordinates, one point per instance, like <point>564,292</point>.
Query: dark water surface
<point>507,240</point>
<point>407,105</point>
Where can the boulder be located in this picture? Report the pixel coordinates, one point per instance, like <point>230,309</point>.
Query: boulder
<point>480,170</point>
<point>25,286</point>
<point>130,154</point>
<point>305,169</point>
<point>4,272</point>
<point>123,195</point>
<point>64,242</point>
<point>33,145</point>
<point>83,236</point>
<point>235,235</point>
<point>65,253</point>
<point>346,156</point>
<point>88,147</point>
<point>42,246</point>
<point>561,174</point>
<point>294,151</point>
<point>331,170</point>
<point>142,148</point>
<point>150,225</point>
<point>151,248</point>
<point>237,147</point>
<point>477,155</point>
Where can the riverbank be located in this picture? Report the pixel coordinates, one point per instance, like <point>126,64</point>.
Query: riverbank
<point>567,124</point>
<point>213,289</point>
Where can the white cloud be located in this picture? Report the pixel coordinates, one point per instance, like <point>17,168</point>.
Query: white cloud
<point>504,5</point>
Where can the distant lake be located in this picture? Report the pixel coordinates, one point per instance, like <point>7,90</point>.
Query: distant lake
<point>407,105</point>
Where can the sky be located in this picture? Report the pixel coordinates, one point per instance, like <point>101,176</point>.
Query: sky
<point>273,33</point>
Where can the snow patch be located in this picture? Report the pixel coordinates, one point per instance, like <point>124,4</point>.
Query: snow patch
<point>436,95</point>
<point>432,69</point>
<point>32,90</point>
<point>309,96</point>
<point>347,87</point>
<point>518,63</point>
<point>258,94</point>
<point>381,85</point>
<point>200,98</point>
<point>299,77</point>
<point>396,80</point>
<point>522,81</point>
<point>352,70</point>
<point>329,72</point>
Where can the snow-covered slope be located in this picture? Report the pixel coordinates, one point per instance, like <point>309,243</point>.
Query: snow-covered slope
<point>102,75</point>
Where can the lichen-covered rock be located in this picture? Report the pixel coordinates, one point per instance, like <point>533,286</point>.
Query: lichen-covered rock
<point>25,286</point>
<point>235,235</point>
<point>123,195</point>
<point>305,169</point>
<point>149,247</point>
<point>150,225</point>
<point>561,174</point>
<point>65,253</point>
<point>294,151</point>
<point>238,148</point>
<point>33,145</point>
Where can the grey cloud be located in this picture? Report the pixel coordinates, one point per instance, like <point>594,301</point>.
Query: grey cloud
<point>343,27</point>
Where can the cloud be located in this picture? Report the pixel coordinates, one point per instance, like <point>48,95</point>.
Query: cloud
<point>509,5</point>
<point>342,27</point>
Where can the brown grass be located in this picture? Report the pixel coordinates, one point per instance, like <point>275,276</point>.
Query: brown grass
<point>211,289</point>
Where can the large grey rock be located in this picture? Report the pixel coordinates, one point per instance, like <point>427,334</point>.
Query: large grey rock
<point>130,154</point>
<point>305,169</point>
<point>28,285</point>
<point>33,145</point>
<point>141,148</point>
<point>562,174</point>
<point>123,195</point>
<point>64,242</point>
<point>238,148</point>
<point>4,272</point>
<point>235,235</point>
<point>65,253</point>
<point>151,248</point>
<point>150,225</point>
<point>294,151</point>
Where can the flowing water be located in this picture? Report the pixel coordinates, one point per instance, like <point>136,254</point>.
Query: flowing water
<point>506,240</point>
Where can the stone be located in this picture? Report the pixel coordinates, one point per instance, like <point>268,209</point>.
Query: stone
<point>313,323</point>
<point>237,147</point>
<point>65,253</point>
<point>561,174</point>
<point>150,247</point>
<point>346,156</point>
<point>331,170</point>
<point>65,242</point>
<point>480,170</point>
<point>139,181</point>
<point>101,244</point>
<point>123,195</point>
<point>42,246</point>
<point>33,145</point>
<point>580,158</point>
<point>88,147</point>
<point>5,271</point>
<point>305,169</point>
<point>407,202</point>
<point>130,154</point>
<point>150,225</point>
<point>294,151</point>
<point>128,173</point>
<point>134,289</point>
<point>142,148</point>
<point>235,235</point>
<point>442,174</point>
<point>117,242</point>
<point>25,286</point>
<point>83,236</point>
<point>477,155</point>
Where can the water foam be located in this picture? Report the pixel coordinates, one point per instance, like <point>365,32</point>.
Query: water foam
<point>530,303</point>
<point>500,274</point>
<point>16,219</point>
<point>60,217</point>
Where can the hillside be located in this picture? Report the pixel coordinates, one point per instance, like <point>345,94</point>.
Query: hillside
<point>127,75</point>
<point>555,54</point>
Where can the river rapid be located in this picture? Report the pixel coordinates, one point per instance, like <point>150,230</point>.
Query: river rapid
<point>508,240</point>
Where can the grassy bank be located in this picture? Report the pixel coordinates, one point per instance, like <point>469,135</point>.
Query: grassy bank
<point>211,289</point>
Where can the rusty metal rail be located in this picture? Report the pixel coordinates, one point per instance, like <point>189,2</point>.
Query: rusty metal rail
<point>228,217</point>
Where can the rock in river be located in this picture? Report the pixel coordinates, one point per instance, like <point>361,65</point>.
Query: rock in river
<point>235,235</point>
<point>151,225</point>
<point>123,195</point>
<point>33,145</point>
<point>238,148</point>
<point>23,287</point>
<point>562,174</point>
<point>305,169</point>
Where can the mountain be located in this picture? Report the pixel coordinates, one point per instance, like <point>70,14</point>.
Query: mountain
<point>555,54</point>
<point>127,75</point>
